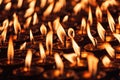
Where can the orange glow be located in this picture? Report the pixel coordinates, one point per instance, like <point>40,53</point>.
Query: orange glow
<point>65,19</point>
<point>59,63</point>
<point>31,36</point>
<point>77,8</point>
<point>98,14</point>
<point>10,51</point>
<point>70,57</point>
<point>29,12</point>
<point>49,42</point>
<point>111,21</point>
<point>27,23</point>
<point>50,1</point>
<point>3,34</point>
<point>117,36</point>
<point>71,33</point>
<point>106,61</point>
<point>56,23</point>
<point>32,4</point>
<point>83,26</point>
<point>90,19</point>
<point>92,64</point>
<point>35,18</point>
<point>92,2</point>
<point>1,2</point>
<point>19,4</point>
<point>43,29</point>
<point>7,1</point>
<point>42,51</point>
<point>8,6</point>
<point>43,3</point>
<point>28,60</point>
<point>119,20</point>
<point>101,31</point>
<point>23,46</point>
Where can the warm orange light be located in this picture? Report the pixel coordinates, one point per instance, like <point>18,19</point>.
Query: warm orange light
<point>23,46</point>
<point>98,14</point>
<point>92,2</point>
<point>42,51</point>
<point>65,19</point>
<point>31,36</point>
<point>119,20</point>
<point>1,2</point>
<point>29,12</point>
<point>3,34</point>
<point>10,51</point>
<point>101,31</point>
<point>32,4</point>
<point>43,3</point>
<point>90,19</point>
<point>70,57</point>
<point>19,4</point>
<point>5,24</point>
<point>27,23</point>
<point>117,36</point>
<point>71,33</point>
<point>35,18</point>
<point>106,61</point>
<point>8,6</point>
<point>43,29</point>
<point>77,8</point>
<point>50,1</point>
<point>111,21</point>
<point>56,23</point>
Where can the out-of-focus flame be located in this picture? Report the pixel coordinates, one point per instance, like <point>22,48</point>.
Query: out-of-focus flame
<point>70,57</point>
<point>92,64</point>
<point>6,1</point>
<point>90,18</point>
<point>35,18</point>
<point>77,8</point>
<point>48,10</point>
<point>117,36</point>
<point>32,4</point>
<point>65,19</point>
<point>109,49</point>
<point>82,27</point>
<point>59,63</point>
<point>71,33</point>
<point>49,42</point>
<point>50,25</point>
<point>1,2</point>
<point>23,46</point>
<point>27,23</point>
<point>92,2</point>
<point>43,29</point>
<point>106,61</point>
<point>10,51</point>
<point>93,40</point>
<point>8,6</point>
<point>98,14</point>
<point>17,26</point>
<point>56,23</point>
<point>119,20</point>
<point>42,51</point>
<point>28,60</point>
<point>19,4</point>
<point>43,3</point>
<point>29,12</point>
<point>111,21</point>
<point>3,34</point>
<point>101,31</point>
<point>5,24</point>
<point>61,33</point>
<point>50,1</point>
<point>31,36</point>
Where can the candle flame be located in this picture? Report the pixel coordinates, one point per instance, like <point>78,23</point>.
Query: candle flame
<point>3,34</point>
<point>70,57</point>
<point>59,63</point>
<point>98,14</point>
<point>92,64</point>
<point>10,52</point>
<point>101,31</point>
<point>43,3</point>
<point>43,29</point>
<point>27,23</point>
<point>117,36</point>
<point>31,36</point>
<point>32,4</point>
<point>109,49</point>
<point>1,2</point>
<point>83,24</point>
<point>119,20</point>
<point>77,8</point>
<point>65,19</point>
<point>35,18</point>
<point>71,33</point>
<point>111,21</point>
<point>19,4</point>
<point>23,46</point>
<point>106,61</point>
<point>42,51</point>
<point>8,6</point>
<point>29,12</point>
<point>90,19</point>
<point>5,24</point>
<point>56,23</point>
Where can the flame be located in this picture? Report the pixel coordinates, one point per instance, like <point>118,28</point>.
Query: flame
<point>61,33</point>
<point>109,49</point>
<point>8,6</point>
<point>5,23</point>
<point>35,18</point>
<point>42,51</point>
<point>28,60</point>
<point>50,1</point>
<point>111,21</point>
<point>101,31</point>
<point>19,4</point>
<point>1,2</point>
<point>98,14</point>
<point>77,8</point>
<point>94,41</point>
<point>83,25</point>
<point>92,64</point>
<point>90,19</point>
<point>32,4</point>
<point>70,57</point>
<point>119,20</point>
<point>3,34</point>
<point>71,33</point>
<point>10,52</point>
<point>31,36</point>
<point>50,25</point>
<point>43,3</point>
<point>23,46</point>
<point>29,12</point>
<point>106,61</point>
<point>56,23</point>
<point>27,23</point>
<point>43,29</point>
<point>65,19</point>
<point>117,36</point>
<point>92,2</point>
<point>17,26</point>
<point>59,63</point>
<point>49,42</point>
<point>48,10</point>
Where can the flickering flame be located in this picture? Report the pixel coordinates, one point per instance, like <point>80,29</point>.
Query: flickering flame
<point>27,23</point>
<point>50,25</point>
<point>19,4</point>
<point>101,31</point>
<point>28,60</point>
<point>106,61</point>
<point>77,8</point>
<point>50,1</point>
<point>70,57</point>
<point>59,63</point>
<point>93,40</point>
<point>43,3</point>
<point>43,29</point>
<point>49,42</point>
<point>90,19</point>
<point>117,36</point>
<point>83,24</point>
<point>8,6</point>
<point>42,51</point>
<point>1,2</point>
<point>5,24</point>
<point>71,33</point>
<point>35,18</point>
<point>98,14</point>
<point>56,23</point>
<point>92,2</point>
<point>65,19</point>
<point>3,34</point>
<point>109,49</point>
<point>10,51</point>
<point>119,20</point>
<point>61,33</point>
<point>17,26</point>
<point>92,64</point>
<point>48,10</point>
<point>29,12</point>
<point>32,4</point>
<point>111,21</point>
<point>31,36</point>
<point>23,46</point>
